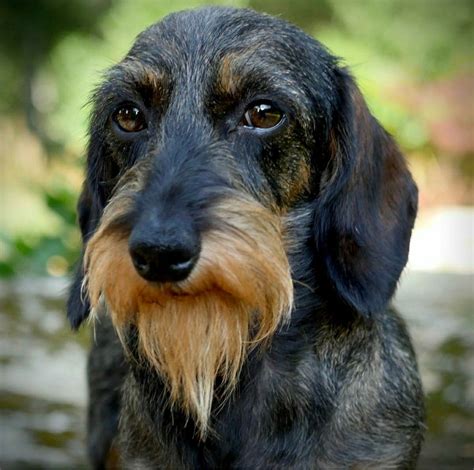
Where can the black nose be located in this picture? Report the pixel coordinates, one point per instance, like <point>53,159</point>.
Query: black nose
<point>164,256</point>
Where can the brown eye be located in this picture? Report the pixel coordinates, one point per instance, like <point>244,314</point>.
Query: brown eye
<point>129,118</point>
<point>262,116</point>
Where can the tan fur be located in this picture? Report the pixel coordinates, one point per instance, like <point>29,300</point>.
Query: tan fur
<point>229,75</point>
<point>299,185</point>
<point>227,78</point>
<point>145,77</point>
<point>201,328</point>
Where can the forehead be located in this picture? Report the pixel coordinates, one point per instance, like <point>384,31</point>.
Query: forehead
<point>205,35</point>
<point>228,46</point>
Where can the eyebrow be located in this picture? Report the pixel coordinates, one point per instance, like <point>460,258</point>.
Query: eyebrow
<point>150,82</point>
<point>138,72</point>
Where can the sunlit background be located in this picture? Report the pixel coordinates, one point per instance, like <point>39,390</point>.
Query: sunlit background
<point>413,61</point>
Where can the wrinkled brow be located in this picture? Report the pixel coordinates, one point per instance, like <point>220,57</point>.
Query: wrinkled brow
<point>134,76</point>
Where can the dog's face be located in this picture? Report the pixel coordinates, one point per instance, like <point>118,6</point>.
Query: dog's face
<point>216,127</point>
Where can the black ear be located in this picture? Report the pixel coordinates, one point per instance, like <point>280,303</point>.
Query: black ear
<point>366,207</point>
<point>88,214</point>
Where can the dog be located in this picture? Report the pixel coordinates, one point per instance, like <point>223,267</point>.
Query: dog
<point>245,222</point>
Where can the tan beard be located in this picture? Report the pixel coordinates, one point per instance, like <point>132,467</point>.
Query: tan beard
<point>194,331</point>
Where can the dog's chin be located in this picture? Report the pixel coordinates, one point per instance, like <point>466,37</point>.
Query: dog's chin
<point>191,340</point>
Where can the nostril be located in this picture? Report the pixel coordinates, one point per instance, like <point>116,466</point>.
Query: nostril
<point>175,264</point>
<point>140,263</point>
<point>177,256</point>
<point>183,265</point>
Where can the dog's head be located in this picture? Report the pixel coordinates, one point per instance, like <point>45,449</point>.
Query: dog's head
<point>216,127</point>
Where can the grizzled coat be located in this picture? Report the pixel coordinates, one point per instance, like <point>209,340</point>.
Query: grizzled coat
<point>336,385</point>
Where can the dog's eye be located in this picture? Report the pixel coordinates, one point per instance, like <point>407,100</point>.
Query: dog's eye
<point>262,116</point>
<point>129,118</point>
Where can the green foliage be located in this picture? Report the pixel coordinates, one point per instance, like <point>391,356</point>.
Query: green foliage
<point>429,37</point>
<point>29,31</point>
<point>306,14</point>
<point>39,253</point>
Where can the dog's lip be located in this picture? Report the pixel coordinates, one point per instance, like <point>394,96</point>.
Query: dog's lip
<point>171,290</point>
<point>183,289</point>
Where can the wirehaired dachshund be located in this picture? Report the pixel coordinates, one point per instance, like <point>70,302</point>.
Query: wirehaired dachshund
<point>245,222</point>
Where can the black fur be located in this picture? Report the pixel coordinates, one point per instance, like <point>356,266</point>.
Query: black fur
<point>338,387</point>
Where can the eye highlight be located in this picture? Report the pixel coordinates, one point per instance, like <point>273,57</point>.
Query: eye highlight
<point>129,118</point>
<point>262,116</point>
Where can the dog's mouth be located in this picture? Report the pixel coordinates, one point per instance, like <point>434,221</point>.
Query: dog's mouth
<point>177,291</point>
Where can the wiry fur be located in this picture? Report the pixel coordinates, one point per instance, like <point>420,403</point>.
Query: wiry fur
<point>280,348</point>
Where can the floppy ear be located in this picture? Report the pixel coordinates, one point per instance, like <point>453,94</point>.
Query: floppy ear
<point>88,215</point>
<point>365,209</point>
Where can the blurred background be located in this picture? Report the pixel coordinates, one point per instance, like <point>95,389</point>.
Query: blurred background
<point>413,61</point>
